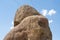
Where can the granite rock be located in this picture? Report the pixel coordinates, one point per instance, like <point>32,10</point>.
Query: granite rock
<point>29,25</point>
<point>24,11</point>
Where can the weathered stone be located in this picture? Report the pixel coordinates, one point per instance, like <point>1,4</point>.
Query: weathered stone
<point>31,28</point>
<point>23,12</point>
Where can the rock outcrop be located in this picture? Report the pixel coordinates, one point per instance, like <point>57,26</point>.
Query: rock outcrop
<point>29,25</point>
<point>24,11</point>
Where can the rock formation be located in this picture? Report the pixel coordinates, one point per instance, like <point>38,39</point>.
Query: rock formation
<point>24,11</point>
<point>29,25</point>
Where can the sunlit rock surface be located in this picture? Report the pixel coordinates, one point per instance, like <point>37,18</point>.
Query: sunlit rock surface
<point>29,24</point>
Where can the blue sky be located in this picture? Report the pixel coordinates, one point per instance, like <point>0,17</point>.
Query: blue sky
<point>49,8</point>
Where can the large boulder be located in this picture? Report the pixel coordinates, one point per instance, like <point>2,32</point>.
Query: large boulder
<point>31,26</point>
<point>23,12</point>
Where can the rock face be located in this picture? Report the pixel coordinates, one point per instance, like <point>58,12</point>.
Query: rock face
<point>24,11</point>
<point>29,25</point>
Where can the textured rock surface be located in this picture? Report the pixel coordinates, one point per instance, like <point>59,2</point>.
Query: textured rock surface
<point>31,27</point>
<point>23,12</point>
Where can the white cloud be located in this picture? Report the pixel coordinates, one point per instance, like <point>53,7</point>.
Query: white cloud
<point>12,25</point>
<point>50,21</point>
<point>44,12</point>
<point>51,12</point>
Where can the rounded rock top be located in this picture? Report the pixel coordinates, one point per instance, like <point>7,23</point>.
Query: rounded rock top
<point>24,11</point>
